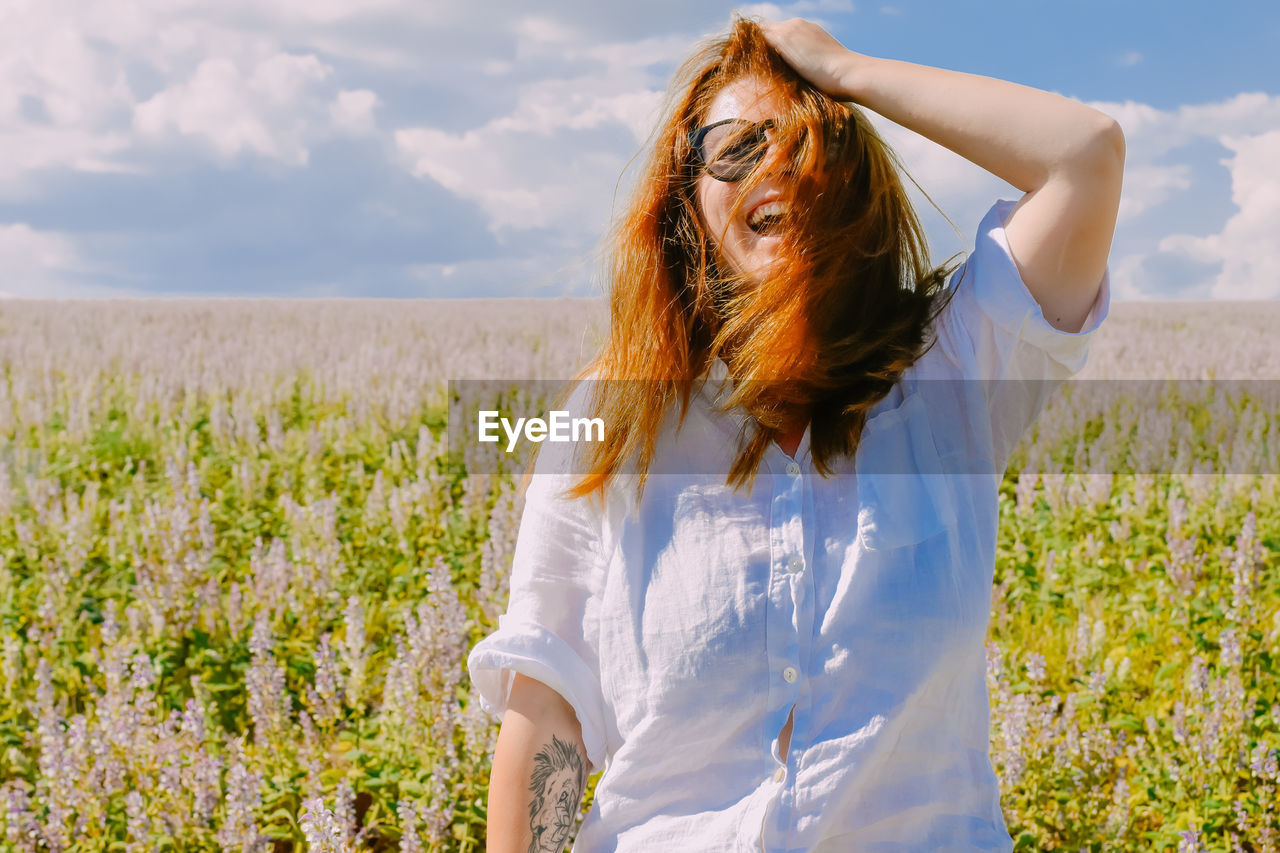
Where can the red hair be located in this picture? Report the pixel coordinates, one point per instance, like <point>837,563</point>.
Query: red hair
<point>827,333</point>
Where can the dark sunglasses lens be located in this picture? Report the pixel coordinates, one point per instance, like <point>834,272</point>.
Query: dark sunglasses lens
<point>731,151</point>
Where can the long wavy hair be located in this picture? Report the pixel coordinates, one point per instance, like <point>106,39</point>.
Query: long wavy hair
<point>825,335</point>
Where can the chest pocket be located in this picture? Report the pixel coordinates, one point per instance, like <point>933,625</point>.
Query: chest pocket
<point>904,495</point>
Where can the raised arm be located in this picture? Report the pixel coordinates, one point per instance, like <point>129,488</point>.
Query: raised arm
<point>1066,157</point>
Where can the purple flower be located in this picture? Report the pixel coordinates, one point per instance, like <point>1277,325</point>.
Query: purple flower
<point>138,828</point>
<point>269,703</point>
<point>326,698</point>
<point>321,828</point>
<point>1035,667</point>
<point>1264,764</point>
<point>345,809</point>
<point>409,840</point>
<point>1180,722</point>
<point>995,662</point>
<point>1098,682</point>
<point>243,799</point>
<point>20,824</point>
<point>353,652</point>
<point>1198,677</point>
<point>1230,654</point>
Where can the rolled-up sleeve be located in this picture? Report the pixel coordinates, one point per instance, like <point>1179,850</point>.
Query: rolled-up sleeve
<point>550,631</point>
<point>996,331</point>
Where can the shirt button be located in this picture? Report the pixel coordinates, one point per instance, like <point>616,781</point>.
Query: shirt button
<point>795,564</point>
<point>793,469</point>
<point>790,674</point>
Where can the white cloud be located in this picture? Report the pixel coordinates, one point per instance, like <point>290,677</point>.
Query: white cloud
<point>945,175</point>
<point>553,105</point>
<point>297,12</point>
<point>31,150</point>
<point>70,74</point>
<point>799,9</point>
<point>1126,278</point>
<point>521,180</point>
<point>552,161</point>
<point>237,109</point>
<point>73,92</point>
<point>1129,59</point>
<point>1150,132</point>
<point>767,11</point>
<point>43,265</point>
<point>543,165</point>
<point>541,35</point>
<point>352,110</point>
<point>1146,187</point>
<point>665,51</point>
<point>246,76</point>
<point>1247,246</point>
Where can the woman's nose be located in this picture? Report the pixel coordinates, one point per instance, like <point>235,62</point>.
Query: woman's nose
<point>777,165</point>
<point>777,161</point>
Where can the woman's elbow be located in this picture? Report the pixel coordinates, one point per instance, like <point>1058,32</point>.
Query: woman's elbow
<point>1106,149</point>
<point>1113,141</point>
<point>1100,155</point>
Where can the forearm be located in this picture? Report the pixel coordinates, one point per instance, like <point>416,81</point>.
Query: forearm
<point>1020,134</point>
<point>539,773</point>
<point>1017,133</point>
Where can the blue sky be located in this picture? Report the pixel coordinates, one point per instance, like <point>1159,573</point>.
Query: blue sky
<point>395,148</point>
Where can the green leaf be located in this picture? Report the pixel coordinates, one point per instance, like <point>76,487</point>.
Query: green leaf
<point>1128,722</point>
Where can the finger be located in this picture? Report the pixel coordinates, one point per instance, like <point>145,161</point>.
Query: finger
<point>776,35</point>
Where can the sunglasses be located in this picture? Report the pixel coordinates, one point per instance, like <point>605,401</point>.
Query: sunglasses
<point>729,150</point>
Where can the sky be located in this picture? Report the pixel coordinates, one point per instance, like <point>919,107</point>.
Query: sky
<point>401,148</point>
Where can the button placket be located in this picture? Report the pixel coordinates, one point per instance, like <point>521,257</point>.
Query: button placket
<point>788,599</point>
<point>782,641</point>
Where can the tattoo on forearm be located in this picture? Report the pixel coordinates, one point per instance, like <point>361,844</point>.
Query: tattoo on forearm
<point>558,780</point>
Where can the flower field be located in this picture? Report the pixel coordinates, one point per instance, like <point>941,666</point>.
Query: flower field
<point>239,580</point>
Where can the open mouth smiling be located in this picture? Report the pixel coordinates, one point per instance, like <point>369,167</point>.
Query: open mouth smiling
<point>766,217</point>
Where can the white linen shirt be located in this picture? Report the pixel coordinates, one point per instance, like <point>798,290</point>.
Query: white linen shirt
<point>683,631</point>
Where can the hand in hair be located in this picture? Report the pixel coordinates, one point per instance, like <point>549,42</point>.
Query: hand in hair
<point>815,55</point>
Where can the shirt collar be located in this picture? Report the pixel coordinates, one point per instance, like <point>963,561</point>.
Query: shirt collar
<point>716,384</point>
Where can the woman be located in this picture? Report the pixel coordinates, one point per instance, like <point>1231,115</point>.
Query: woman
<point>791,657</point>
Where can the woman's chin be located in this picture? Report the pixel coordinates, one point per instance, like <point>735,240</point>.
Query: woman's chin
<point>765,257</point>
<point>756,261</point>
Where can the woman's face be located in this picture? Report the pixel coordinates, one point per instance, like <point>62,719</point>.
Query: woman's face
<point>746,250</point>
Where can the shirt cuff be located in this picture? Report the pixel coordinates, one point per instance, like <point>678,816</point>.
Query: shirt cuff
<point>1011,304</point>
<point>537,653</point>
